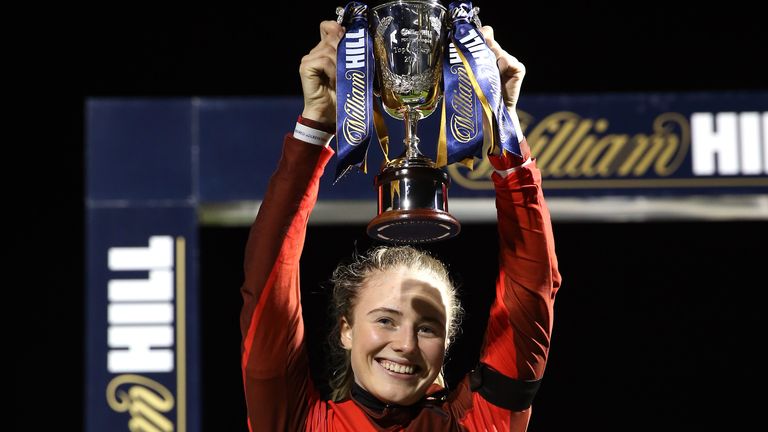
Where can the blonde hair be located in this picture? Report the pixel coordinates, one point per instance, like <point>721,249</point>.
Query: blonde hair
<point>347,280</point>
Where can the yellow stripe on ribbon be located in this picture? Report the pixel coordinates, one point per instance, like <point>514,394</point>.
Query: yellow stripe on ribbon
<point>488,132</point>
<point>442,147</point>
<point>442,142</point>
<point>381,132</point>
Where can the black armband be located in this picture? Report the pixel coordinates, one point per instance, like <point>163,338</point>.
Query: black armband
<point>502,391</point>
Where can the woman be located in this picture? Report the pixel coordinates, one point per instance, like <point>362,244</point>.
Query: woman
<point>396,306</point>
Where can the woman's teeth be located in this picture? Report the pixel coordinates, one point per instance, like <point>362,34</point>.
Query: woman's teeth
<point>395,367</point>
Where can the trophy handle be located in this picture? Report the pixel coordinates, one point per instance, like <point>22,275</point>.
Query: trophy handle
<point>476,17</point>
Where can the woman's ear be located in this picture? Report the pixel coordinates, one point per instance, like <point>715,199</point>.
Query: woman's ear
<point>346,334</point>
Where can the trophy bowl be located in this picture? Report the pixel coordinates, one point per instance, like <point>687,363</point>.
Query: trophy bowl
<point>409,38</point>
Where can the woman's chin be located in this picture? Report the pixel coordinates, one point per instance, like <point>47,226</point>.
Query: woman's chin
<point>398,388</point>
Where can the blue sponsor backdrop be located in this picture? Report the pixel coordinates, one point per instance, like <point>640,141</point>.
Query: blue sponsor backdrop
<point>626,144</point>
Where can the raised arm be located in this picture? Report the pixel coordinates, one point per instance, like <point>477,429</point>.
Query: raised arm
<point>274,359</point>
<point>520,325</point>
<point>276,378</point>
<point>519,328</point>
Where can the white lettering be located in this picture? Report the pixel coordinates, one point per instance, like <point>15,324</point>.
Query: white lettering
<point>159,255</point>
<point>136,346</point>
<point>749,137</point>
<point>140,313</point>
<point>728,143</point>
<point>765,142</point>
<point>475,44</point>
<point>471,34</point>
<point>356,61</point>
<point>356,39</point>
<point>355,46</point>
<point>158,287</point>
<point>453,56</point>
<point>141,354</point>
<point>714,138</point>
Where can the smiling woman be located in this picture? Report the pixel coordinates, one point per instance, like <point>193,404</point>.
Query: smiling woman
<point>395,307</point>
<point>406,310</point>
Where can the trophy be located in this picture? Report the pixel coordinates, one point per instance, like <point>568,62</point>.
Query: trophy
<point>408,40</point>
<point>396,51</point>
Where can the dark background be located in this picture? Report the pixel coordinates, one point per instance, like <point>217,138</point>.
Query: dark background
<point>658,324</point>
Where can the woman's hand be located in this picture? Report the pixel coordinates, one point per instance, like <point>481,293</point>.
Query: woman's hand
<point>511,70</point>
<point>318,75</point>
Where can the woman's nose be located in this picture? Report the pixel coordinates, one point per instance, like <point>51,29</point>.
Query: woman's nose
<point>405,340</point>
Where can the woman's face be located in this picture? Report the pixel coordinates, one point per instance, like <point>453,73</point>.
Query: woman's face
<point>397,339</point>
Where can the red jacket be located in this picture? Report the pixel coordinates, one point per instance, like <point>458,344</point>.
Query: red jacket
<point>279,392</point>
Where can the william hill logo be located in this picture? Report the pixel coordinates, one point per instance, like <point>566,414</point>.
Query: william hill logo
<point>674,150</point>
<point>355,125</point>
<point>141,334</point>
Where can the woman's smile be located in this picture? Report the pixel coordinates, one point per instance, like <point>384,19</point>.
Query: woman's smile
<point>397,370</point>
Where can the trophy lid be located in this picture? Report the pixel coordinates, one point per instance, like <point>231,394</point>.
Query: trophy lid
<point>382,3</point>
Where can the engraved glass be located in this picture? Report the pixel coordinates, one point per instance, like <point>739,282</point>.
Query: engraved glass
<point>408,39</point>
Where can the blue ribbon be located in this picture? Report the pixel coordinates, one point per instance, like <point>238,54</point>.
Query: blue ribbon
<point>461,126</point>
<point>354,90</point>
<point>470,63</point>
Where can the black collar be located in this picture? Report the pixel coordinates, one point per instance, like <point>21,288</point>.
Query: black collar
<point>385,414</point>
<point>363,397</point>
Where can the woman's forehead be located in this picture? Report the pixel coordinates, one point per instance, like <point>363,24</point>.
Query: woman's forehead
<point>402,288</point>
<point>406,279</point>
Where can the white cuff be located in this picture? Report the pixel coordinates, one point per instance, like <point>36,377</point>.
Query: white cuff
<point>505,173</point>
<point>311,135</point>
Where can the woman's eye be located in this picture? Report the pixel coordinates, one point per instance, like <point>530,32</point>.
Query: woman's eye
<point>384,321</point>
<point>427,330</point>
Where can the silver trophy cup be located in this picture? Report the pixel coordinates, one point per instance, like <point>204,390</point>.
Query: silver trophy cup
<point>409,38</point>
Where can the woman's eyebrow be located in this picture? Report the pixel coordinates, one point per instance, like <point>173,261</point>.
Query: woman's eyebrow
<point>433,320</point>
<point>385,310</point>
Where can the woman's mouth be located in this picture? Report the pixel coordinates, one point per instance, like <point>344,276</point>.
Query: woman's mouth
<point>397,367</point>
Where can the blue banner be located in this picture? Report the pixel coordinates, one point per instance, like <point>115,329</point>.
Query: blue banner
<point>142,359</point>
<point>354,86</point>
<point>641,145</point>
<point>587,145</point>
<point>467,46</point>
<point>142,362</point>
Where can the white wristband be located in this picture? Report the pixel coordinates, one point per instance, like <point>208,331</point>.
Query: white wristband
<point>311,135</point>
<point>506,172</point>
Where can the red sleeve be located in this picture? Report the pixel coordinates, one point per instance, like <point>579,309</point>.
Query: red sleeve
<point>520,324</point>
<point>278,389</point>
